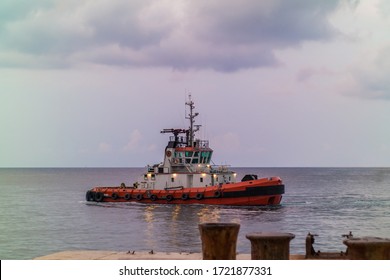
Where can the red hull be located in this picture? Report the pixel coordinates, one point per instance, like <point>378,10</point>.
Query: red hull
<point>266,191</point>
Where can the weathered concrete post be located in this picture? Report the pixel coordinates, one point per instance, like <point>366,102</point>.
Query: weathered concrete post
<point>368,248</point>
<point>270,245</point>
<point>219,240</point>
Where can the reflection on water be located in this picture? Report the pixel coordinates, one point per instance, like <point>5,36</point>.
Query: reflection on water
<point>175,227</point>
<point>149,220</point>
<point>208,215</point>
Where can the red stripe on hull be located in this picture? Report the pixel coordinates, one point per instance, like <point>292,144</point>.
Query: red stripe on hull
<point>251,193</point>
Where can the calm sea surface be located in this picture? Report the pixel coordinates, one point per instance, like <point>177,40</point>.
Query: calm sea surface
<point>43,211</point>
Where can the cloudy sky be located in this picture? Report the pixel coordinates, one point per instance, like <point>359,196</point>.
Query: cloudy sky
<point>90,83</point>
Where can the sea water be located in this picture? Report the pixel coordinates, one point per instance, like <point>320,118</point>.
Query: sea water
<point>43,211</point>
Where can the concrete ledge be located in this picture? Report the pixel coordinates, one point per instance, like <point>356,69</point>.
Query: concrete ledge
<point>115,255</point>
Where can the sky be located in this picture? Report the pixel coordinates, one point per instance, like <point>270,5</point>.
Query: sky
<point>277,83</point>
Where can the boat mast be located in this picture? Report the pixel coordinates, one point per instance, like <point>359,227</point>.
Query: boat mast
<point>193,127</point>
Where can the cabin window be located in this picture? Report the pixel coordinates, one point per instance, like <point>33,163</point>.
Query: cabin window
<point>189,154</point>
<point>178,154</point>
<point>172,179</point>
<point>195,160</point>
<point>201,179</point>
<point>205,157</point>
<point>153,177</point>
<point>146,177</point>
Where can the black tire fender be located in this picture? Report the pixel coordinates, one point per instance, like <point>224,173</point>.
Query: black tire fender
<point>89,196</point>
<point>99,196</point>
<point>114,196</point>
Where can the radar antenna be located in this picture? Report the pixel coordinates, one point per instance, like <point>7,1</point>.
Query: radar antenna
<point>191,116</point>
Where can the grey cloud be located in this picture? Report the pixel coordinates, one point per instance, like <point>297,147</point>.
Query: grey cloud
<point>71,26</point>
<point>274,22</point>
<point>369,77</point>
<point>13,10</point>
<point>216,57</point>
<point>219,35</point>
<point>131,24</point>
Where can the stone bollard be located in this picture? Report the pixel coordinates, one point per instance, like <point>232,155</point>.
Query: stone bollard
<point>270,245</point>
<point>368,248</point>
<point>219,240</point>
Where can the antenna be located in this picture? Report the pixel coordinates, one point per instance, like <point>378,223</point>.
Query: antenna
<point>191,116</point>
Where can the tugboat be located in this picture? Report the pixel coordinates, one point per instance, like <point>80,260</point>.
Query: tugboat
<point>187,176</point>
